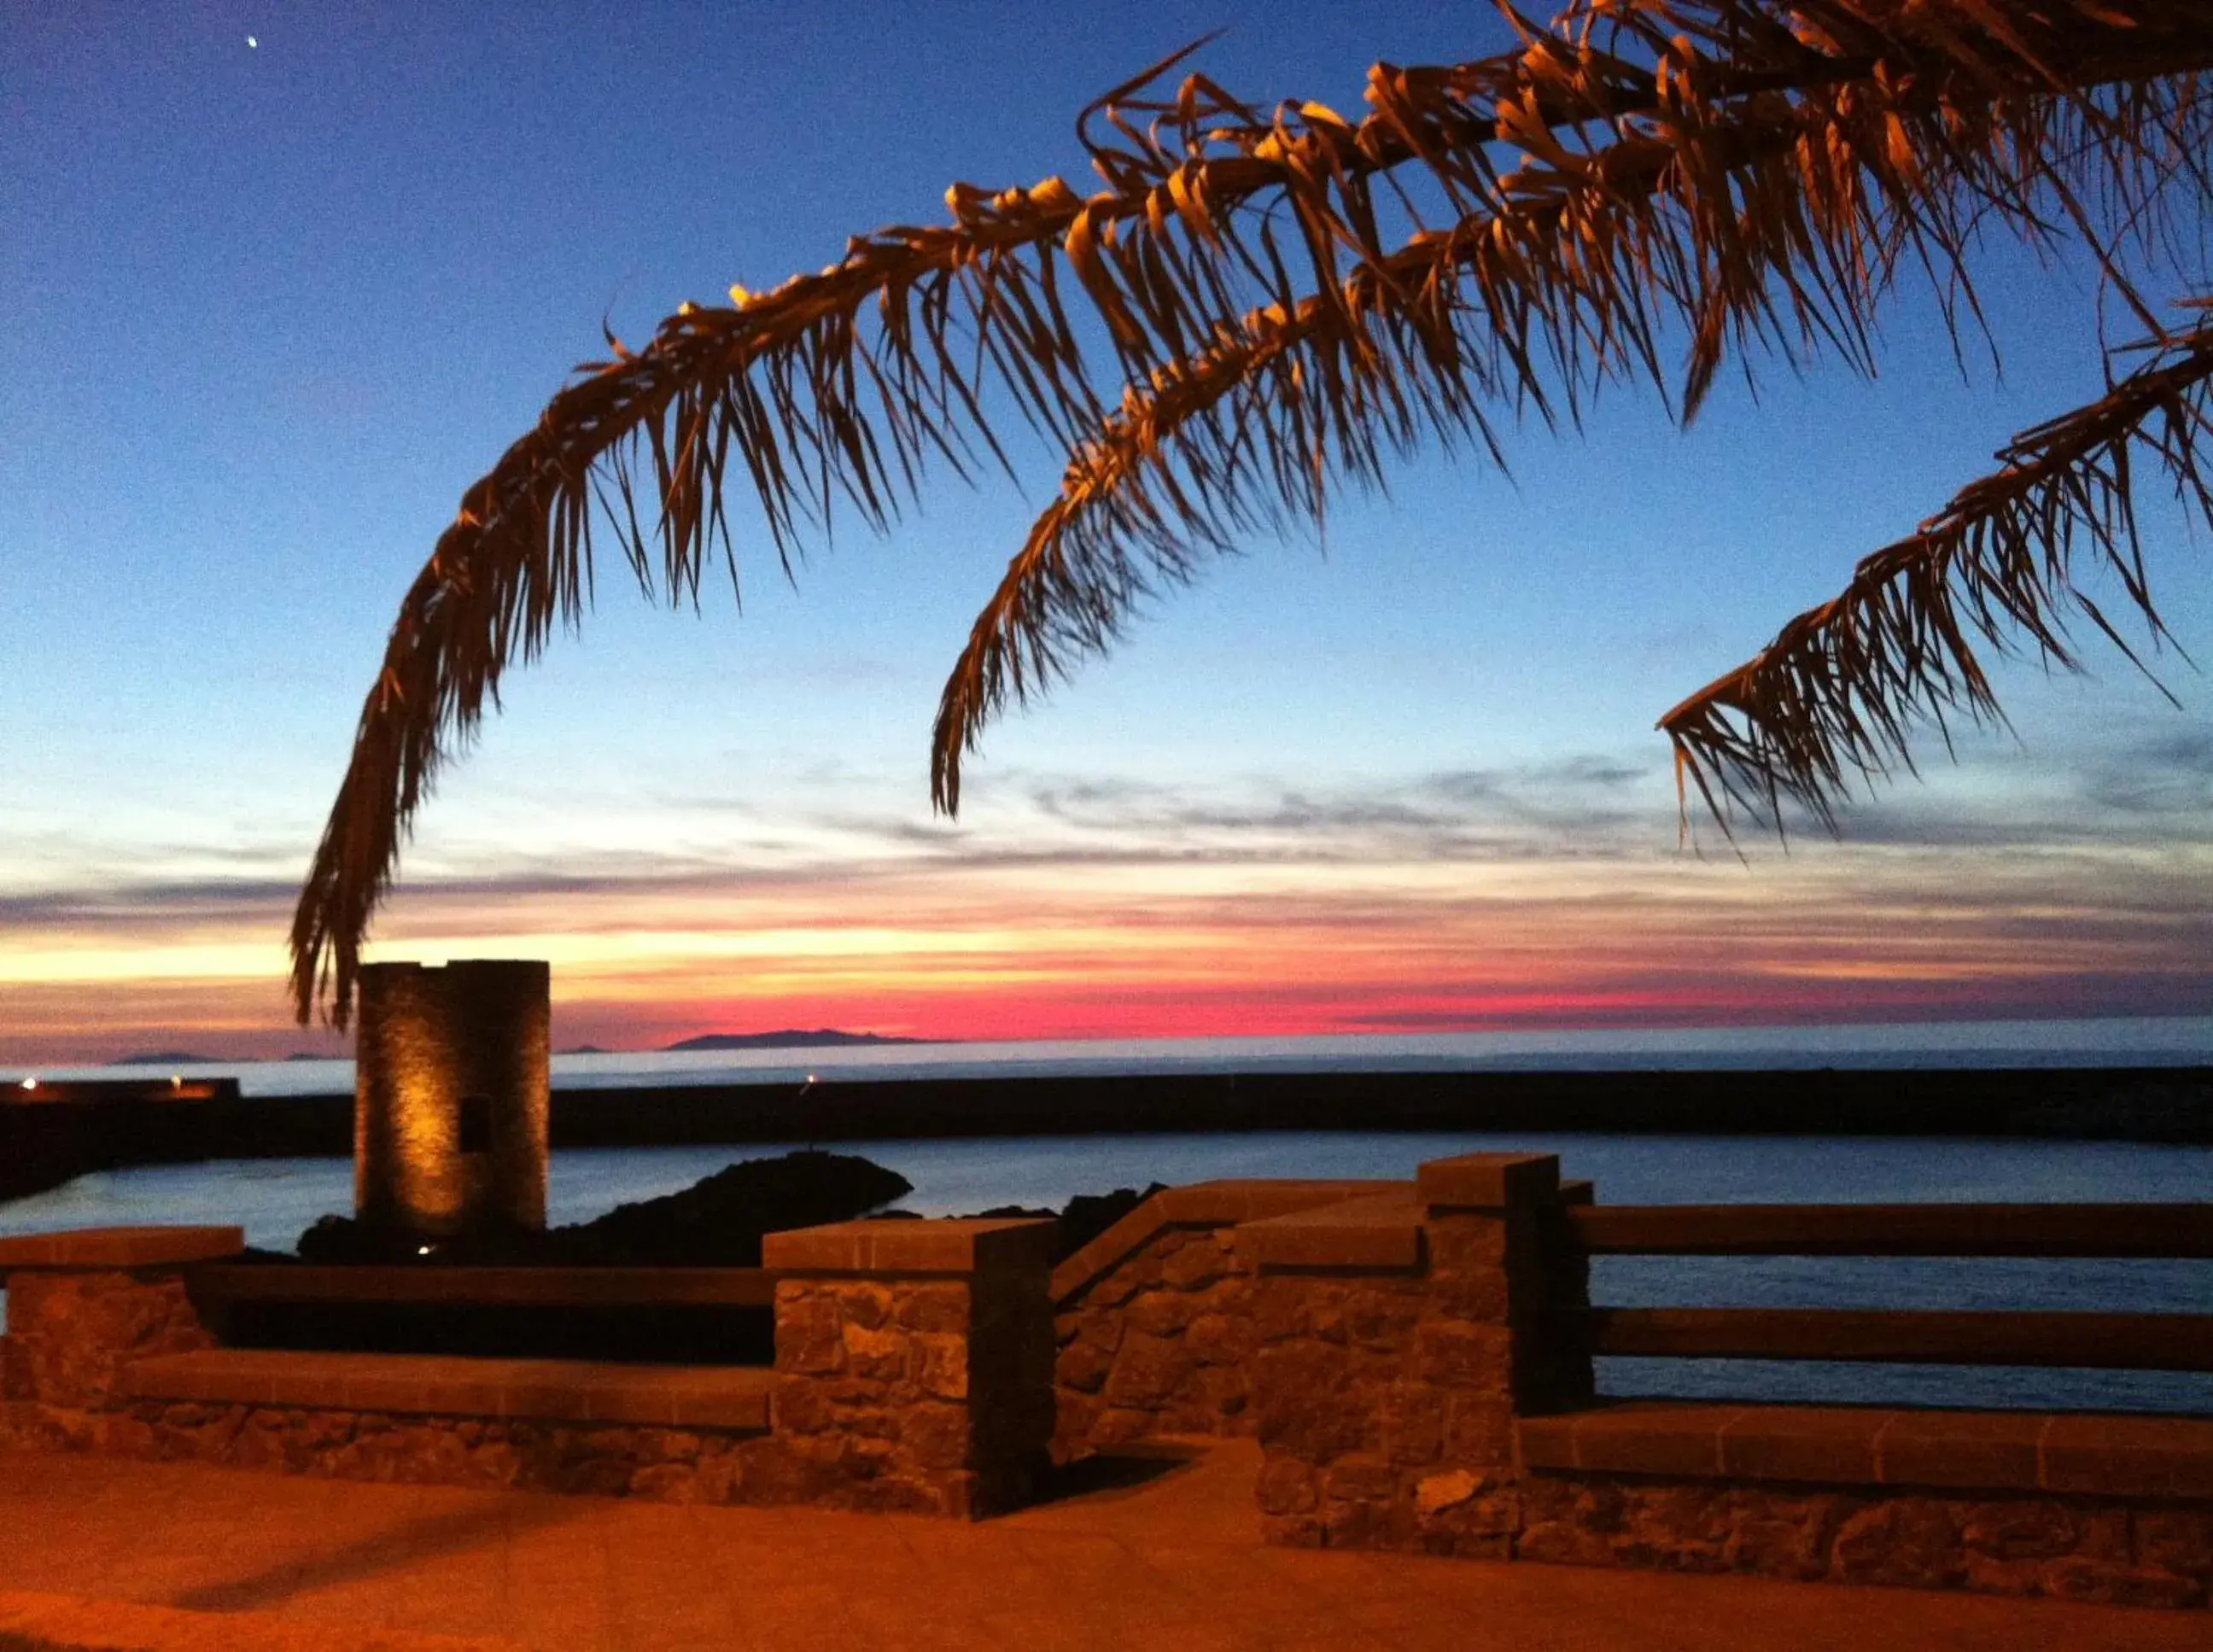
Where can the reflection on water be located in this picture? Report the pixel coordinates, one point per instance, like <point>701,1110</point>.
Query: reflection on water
<point>276,1198</point>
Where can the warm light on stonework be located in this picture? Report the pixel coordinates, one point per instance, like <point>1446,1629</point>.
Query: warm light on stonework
<point>436,1047</point>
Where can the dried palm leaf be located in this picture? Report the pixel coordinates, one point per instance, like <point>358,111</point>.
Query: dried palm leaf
<point>1835,697</point>
<point>1778,223</point>
<point>847,384</point>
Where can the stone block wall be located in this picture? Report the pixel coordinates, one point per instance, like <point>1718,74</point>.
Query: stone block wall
<point>1162,1345</point>
<point>1401,1337</point>
<point>2090,1506</point>
<point>1407,1397</point>
<point>914,1363</point>
<point>1154,1318</point>
<point>914,1373</point>
<point>75,1333</point>
<point>2125,1552</point>
<point>83,1306</point>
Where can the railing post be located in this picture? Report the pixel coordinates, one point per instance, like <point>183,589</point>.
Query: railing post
<point>1402,1334</point>
<point>1501,1255</point>
<point>914,1364</point>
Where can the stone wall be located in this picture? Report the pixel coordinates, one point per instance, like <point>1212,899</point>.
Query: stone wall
<point>1395,1352</point>
<point>1162,1345</point>
<point>1390,1344</point>
<point>1154,1318</point>
<point>1407,1397</point>
<point>72,1333</point>
<point>872,1394</point>
<point>670,1465</point>
<point>926,1391</point>
<point>914,1373</point>
<point>2129,1553</point>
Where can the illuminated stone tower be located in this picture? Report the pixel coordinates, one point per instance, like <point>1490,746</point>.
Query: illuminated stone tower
<point>450,1095</point>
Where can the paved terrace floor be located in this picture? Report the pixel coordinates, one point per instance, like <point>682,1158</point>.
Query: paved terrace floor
<point>1168,1557</point>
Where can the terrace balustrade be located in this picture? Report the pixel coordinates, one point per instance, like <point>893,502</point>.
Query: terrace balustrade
<point>1415,1357</point>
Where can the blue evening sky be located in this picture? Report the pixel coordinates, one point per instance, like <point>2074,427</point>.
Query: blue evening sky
<point>273,307</point>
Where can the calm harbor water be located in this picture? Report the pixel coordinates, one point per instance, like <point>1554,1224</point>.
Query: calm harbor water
<point>275,1199</point>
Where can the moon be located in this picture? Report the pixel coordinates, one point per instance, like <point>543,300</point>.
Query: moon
<point>252,45</point>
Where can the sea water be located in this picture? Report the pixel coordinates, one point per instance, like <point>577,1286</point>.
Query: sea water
<point>2145,1041</point>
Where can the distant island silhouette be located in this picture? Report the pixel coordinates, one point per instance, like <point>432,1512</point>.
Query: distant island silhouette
<point>585,1050</point>
<point>169,1058</point>
<point>788,1038</point>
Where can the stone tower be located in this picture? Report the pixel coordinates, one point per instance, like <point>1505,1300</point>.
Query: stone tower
<point>451,1093</point>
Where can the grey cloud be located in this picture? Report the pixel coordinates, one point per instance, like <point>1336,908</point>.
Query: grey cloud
<point>2160,780</point>
<point>1572,806</point>
<point>123,904</point>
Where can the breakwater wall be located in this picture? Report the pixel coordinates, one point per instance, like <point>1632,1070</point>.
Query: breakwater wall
<point>43,1145</point>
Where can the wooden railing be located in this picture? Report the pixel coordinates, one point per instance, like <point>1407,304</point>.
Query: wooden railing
<point>2118,1342</point>
<point>2046,1230</point>
<point>2165,1342</point>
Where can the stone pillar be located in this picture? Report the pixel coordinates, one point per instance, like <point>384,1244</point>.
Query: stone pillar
<point>1401,1334</point>
<point>914,1363</point>
<point>1500,1256</point>
<point>451,1095</point>
<point>82,1304</point>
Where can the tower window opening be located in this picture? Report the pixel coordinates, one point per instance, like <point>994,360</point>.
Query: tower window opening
<point>476,1123</point>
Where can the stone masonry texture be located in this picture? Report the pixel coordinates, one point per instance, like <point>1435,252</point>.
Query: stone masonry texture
<point>670,1465</point>
<point>1163,1343</point>
<point>922,1382</point>
<point>928,1394</point>
<point>872,1396</point>
<point>2130,1553</point>
<point>1384,1407</point>
<point>1387,1403</point>
<point>71,1333</point>
<point>431,1043</point>
<point>1389,1351</point>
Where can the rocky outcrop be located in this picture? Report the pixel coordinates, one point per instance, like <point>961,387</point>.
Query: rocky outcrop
<point>718,1222</point>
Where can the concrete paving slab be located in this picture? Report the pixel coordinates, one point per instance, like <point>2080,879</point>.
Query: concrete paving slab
<point>1161,1550</point>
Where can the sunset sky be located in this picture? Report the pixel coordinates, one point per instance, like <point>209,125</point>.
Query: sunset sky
<point>273,306</point>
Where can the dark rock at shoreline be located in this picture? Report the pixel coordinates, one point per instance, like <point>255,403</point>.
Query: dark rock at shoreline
<point>717,1222</point>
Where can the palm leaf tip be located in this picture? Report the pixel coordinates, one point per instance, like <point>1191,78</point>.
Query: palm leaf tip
<point>1836,698</point>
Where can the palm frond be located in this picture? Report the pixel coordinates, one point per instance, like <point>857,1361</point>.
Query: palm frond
<point>1835,698</point>
<point>1770,224</point>
<point>834,394</point>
